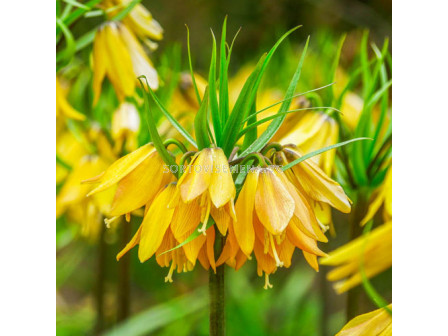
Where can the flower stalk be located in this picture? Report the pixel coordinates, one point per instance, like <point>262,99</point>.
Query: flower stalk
<point>217,294</point>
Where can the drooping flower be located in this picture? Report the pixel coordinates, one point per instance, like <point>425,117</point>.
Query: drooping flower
<point>63,107</point>
<point>168,222</point>
<point>118,55</point>
<point>209,180</point>
<point>139,176</point>
<point>139,20</point>
<point>373,250</point>
<point>125,127</point>
<point>272,218</point>
<point>308,176</point>
<point>71,198</point>
<point>375,323</point>
<point>310,131</point>
<point>383,197</point>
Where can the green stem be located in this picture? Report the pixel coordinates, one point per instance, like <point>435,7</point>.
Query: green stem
<point>124,276</point>
<point>217,294</point>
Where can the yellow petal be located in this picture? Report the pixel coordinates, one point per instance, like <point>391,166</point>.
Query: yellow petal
<point>192,248</point>
<point>210,247</point>
<point>197,176</point>
<point>222,218</point>
<point>186,218</point>
<point>140,185</point>
<point>134,241</point>
<point>370,324</point>
<point>100,63</point>
<point>222,189</point>
<point>273,203</point>
<point>318,185</point>
<point>244,208</point>
<point>312,260</point>
<point>155,223</point>
<point>301,240</point>
<point>122,167</point>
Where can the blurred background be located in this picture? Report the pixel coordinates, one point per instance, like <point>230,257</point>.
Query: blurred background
<point>90,298</point>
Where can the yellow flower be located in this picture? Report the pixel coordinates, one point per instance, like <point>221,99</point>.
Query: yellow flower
<point>125,126</point>
<point>118,55</point>
<point>63,108</point>
<point>351,109</point>
<point>71,198</point>
<point>139,176</point>
<point>310,131</point>
<point>384,196</point>
<point>208,179</point>
<point>273,218</point>
<point>70,151</point>
<point>139,20</point>
<point>167,223</point>
<point>375,323</point>
<point>308,176</point>
<point>375,250</point>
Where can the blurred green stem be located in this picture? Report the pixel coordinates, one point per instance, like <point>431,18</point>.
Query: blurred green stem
<point>217,294</point>
<point>124,277</point>
<point>356,298</point>
<point>99,290</point>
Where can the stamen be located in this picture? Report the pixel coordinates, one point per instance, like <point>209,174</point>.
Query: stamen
<point>169,277</point>
<point>109,221</point>
<point>128,217</point>
<point>267,284</point>
<point>324,227</point>
<point>274,251</point>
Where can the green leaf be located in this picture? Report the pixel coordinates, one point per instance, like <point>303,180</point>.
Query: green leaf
<point>258,144</point>
<point>231,131</point>
<point>201,123</point>
<point>155,137</point>
<point>69,19</point>
<point>193,79</point>
<point>171,119</point>
<point>283,100</point>
<point>251,132</point>
<point>233,125</point>
<point>214,109</point>
<point>70,48</point>
<point>334,68</point>
<point>223,78</point>
<point>149,321</point>
<point>77,4</point>
<point>194,235</point>
<point>121,15</point>
<point>320,151</point>
<point>278,115</point>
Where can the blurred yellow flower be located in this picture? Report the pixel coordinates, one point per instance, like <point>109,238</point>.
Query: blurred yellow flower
<point>139,20</point>
<point>118,55</point>
<point>208,178</point>
<point>139,176</point>
<point>310,131</point>
<point>125,127</point>
<point>375,323</point>
<point>383,197</point>
<point>351,109</point>
<point>63,107</point>
<point>374,250</point>
<point>70,151</point>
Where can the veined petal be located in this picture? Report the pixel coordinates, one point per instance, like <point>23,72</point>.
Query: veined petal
<point>197,176</point>
<point>222,188</point>
<point>318,185</point>
<point>265,262</point>
<point>222,218</point>
<point>140,185</point>
<point>244,208</point>
<point>187,218</point>
<point>273,203</point>
<point>192,248</point>
<point>301,240</point>
<point>120,168</point>
<point>155,223</point>
<point>210,247</point>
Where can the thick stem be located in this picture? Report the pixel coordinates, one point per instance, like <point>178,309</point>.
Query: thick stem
<point>217,294</point>
<point>99,290</point>
<point>356,297</point>
<point>124,277</point>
